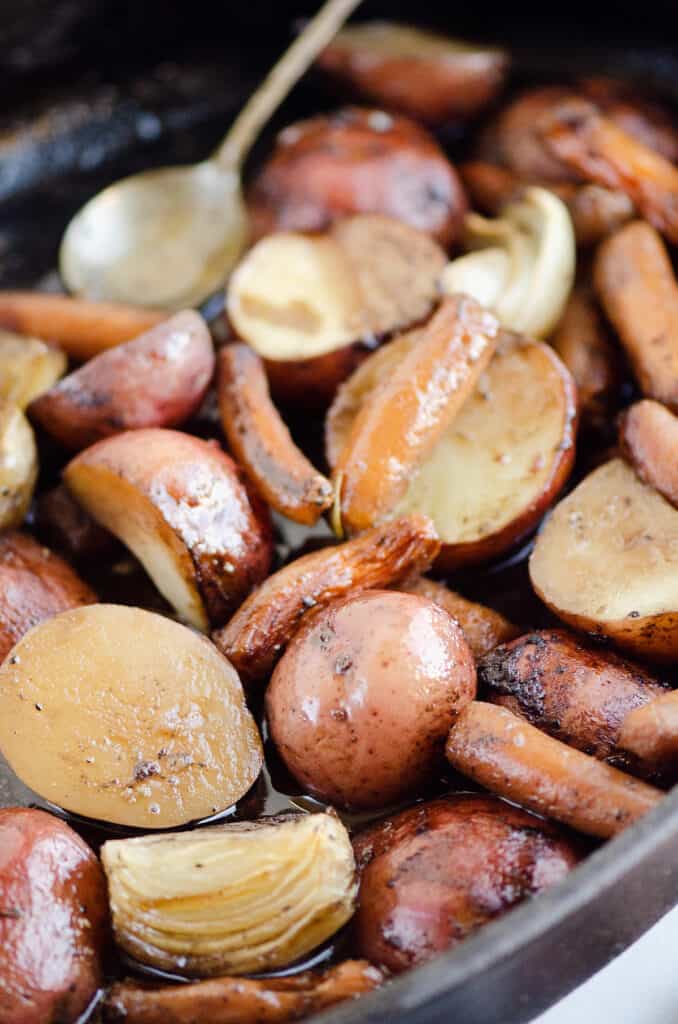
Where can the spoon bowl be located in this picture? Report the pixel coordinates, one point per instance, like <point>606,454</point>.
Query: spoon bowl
<point>168,238</point>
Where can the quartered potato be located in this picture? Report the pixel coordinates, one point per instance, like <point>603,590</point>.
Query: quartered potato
<point>606,562</point>
<point>133,719</point>
<point>232,899</point>
<point>179,505</point>
<point>27,367</point>
<point>502,460</point>
<point>419,73</point>
<point>18,465</point>
<point>311,299</point>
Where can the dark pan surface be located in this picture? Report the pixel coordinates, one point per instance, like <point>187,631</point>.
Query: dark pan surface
<point>95,89</point>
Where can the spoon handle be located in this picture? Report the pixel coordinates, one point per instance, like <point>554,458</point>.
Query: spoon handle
<point>275,87</point>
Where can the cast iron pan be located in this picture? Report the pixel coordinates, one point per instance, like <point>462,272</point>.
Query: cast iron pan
<point>94,89</point>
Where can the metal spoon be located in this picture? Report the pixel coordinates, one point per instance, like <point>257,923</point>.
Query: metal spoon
<point>168,238</point>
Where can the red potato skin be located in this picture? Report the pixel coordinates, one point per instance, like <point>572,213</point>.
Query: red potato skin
<point>69,529</point>
<point>35,584</point>
<point>313,383</point>
<point>241,1000</point>
<point>257,634</point>
<point>434,874</point>
<point>458,85</point>
<point>157,380</point>
<point>201,495</point>
<point>357,161</point>
<point>361,702</point>
<point>573,691</point>
<point>53,919</point>
<point>262,444</point>
<point>648,438</point>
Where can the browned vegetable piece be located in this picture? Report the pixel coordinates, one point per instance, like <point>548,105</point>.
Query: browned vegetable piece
<point>483,627</point>
<point>411,410</point>
<point>427,76</point>
<point>81,328</point>
<point>595,211</point>
<point>650,732</point>
<point>434,874</point>
<point>360,704</point>
<point>53,919</point>
<point>157,380</point>
<point>357,161</point>
<point>584,345</point>
<point>241,1000</point>
<point>647,120</point>
<point>636,285</point>
<point>576,692</point>
<point>179,504</point>
<point>34,585</point>
<point>648,435</point>
<point>516,761</point>
<point>593,146</point>
<point>256,635</point>
<point>68,528</point>
<point>262,444</point>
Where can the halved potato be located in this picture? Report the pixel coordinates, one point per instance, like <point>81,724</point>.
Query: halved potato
<point>27,367</point>
<point>423,74</point>
<point>34,585</point>
<point>502,460</point>
<point>606,562</point>
<point>306,298</point>
<point>122,715</point>
<point>238,898</point>
<point>179,505</point>
<point>18,465</point>
<point>156,380</point>
<point>648,436</point>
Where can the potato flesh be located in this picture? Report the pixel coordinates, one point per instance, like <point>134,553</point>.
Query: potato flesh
<point>232,899</point>
<point>18,465</point>
<point>498,456</point>
<point>609,551</point>
<point>27,367</point>
<point>132,718</point>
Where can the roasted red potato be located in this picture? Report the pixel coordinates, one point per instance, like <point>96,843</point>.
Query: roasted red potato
<point>81,328</point>
<point>605,562</point>
<point>483,627</point>
<point>648,437</point>
<point>583,343</point>
<point>311,305</point>
<point>357,161</point>
<point>157,380</point>
<point>421,74</point>
<point>179,505</point>
<point>262,444</point>
<point>648,121</point>
<point>518,425</point>
<point>18,465</point>
<point>28,367</point>
<point>67,527</point>
<point>595,211</point>
<point>241,1000</point>
<point>257,634</point>
<point>593,146</point>
<point>650,732</point>
<point>637,288</point>
<point>576,692</point>
<point>361,702</point>
<point>53,920</point>
<point>411,410</point>
<point>434,874</point>
<point>519,762</point>
<point>34,585</point>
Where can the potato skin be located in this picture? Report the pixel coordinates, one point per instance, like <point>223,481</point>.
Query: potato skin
<point>34,585</point>
<point>571,690</point>
<point>361,701</point>
<point>357,161</point>
<point>53,919</point>
<point>438,871</point>
<point>69,529</point>
<point>648,438</point>
<point>157,380</point>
